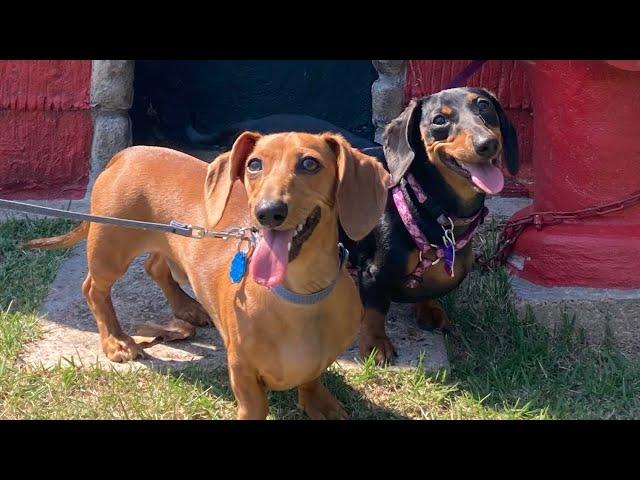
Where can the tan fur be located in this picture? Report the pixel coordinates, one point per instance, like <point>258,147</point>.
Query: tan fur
<point>271,344</point>
<point>357,206</point>
<point>63,241</point>
<point>460,147</point>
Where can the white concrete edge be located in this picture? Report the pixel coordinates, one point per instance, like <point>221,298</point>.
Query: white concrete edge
<point>530,292</point>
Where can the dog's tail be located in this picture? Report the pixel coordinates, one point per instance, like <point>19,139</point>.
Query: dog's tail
<point>63,241</point>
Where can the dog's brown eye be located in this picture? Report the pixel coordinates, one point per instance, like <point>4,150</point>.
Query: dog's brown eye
<point>439,120</point>
<point>254,165</point>
<point>309,165</point>
<point>483,105</point>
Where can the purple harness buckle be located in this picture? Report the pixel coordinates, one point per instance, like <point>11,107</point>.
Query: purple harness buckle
<point>451,244</point>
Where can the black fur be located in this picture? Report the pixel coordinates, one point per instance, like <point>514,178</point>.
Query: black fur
<point>399,140</point>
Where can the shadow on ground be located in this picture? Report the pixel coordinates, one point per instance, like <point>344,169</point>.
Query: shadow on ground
<point>283,405</point>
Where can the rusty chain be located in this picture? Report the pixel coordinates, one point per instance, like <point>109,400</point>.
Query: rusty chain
<point>514,228</point>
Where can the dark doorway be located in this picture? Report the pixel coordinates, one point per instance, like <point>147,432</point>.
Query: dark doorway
<point>171,96</point>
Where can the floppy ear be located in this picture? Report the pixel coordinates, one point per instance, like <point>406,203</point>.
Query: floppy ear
<point>510,143</point>
<point>509,135</point>
<point>221,174</point>
<point>396,140</point>
<point>362,188</point>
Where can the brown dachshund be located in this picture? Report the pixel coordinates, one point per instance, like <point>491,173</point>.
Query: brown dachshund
<point>295,187</point>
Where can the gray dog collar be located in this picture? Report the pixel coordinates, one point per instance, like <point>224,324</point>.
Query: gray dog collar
<point>311,298</point>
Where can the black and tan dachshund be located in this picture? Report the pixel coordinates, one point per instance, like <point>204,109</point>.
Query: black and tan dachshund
<point>450,144</point>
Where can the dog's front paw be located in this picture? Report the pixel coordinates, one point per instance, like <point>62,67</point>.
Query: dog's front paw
<point>319,404</point>
<point>121,349</point>
<point>384,350</point>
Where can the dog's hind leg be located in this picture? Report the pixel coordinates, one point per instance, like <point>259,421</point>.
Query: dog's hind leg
<point>117,346</point>
<point>183,306</point>
<point>430,315</point>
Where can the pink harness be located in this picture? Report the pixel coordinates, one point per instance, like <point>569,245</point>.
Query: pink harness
<point>415,278</point>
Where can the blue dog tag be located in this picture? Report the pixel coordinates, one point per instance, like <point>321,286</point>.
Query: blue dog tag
<point>238,266</point>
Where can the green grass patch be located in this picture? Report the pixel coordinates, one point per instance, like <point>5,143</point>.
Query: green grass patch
<point>25,276</point>
<point>73,392</point>
<point>510,359</point>
<point>504,364</point>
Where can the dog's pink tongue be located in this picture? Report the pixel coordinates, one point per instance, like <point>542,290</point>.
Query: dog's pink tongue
<point>486,177</point>
<point>271,257</point>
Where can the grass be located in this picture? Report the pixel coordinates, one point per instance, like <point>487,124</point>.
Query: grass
<point>24,279</point>
<point>504,365</point>
<point>25,274</point>
<point>510,358</point>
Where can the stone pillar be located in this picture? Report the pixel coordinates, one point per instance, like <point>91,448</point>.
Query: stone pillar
<point>111,99</point>
<point>387,93</point>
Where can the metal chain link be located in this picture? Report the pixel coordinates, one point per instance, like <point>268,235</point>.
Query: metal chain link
<point>514,228</point>
<point>241,233</point>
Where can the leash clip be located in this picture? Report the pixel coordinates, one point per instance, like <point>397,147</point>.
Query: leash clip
<point>186,230</point>
<point>197,232</point>
<point>232,232</point>
<point>253,236</point>
<point>250,244</point>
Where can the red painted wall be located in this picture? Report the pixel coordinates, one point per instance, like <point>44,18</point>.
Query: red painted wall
<point>45,128</point>
<point>505,78</point>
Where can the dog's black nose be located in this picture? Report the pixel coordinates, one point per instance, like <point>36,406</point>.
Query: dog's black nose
<point>271,213</point>
<point>486,146</point>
